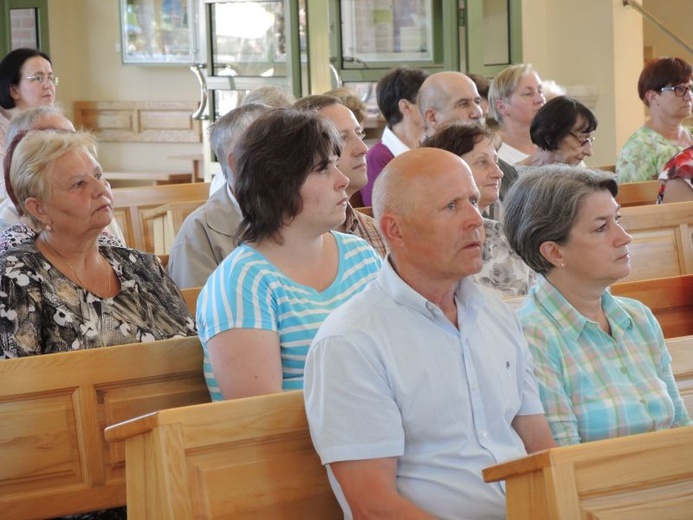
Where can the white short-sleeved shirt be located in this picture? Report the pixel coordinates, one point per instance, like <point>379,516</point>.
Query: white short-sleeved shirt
<point>388,375</point>
<point>511,154</point>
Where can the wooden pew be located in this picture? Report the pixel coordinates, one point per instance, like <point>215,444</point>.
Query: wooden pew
<point>681,350</point>
<point>54,459</point>
<point>637,193</point>
<point>245,458</point>
<point>166,220</point>
<point>130,203</point>
<point>662,244</point>
<point>636,478</point>
<point>670,299</point>
<point>190,295</point>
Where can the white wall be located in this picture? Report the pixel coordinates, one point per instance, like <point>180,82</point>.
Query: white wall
<point>84,35</point>
<point>677,15</point>
<point>593,43</point>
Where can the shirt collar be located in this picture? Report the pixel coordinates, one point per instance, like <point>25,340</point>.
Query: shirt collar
<point>351,222</point>
<point>468,296</point>
<point>569,319</point>
<point>393,143</point>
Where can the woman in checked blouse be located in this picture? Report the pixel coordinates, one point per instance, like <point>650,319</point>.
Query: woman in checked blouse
<point>601,361</point>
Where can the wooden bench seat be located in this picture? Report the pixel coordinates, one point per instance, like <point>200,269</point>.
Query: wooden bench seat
<point>166,220</point>
<point>54,459</point>
<point>246,458</point>
<point>662,244</point>
<point>638,477</point>
<point>129,204</point>
<point>670,299</point>
<point>151,177</point>
<point>238,459</point>
<point>637,193</point>
<point>681,350</point>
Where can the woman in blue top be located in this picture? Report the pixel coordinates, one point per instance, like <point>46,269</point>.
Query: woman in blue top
<point>260,309</point>
<point>601,361</point>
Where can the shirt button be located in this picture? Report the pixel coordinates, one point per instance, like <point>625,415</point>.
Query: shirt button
<point>643,401</point>
<point>484,435</point>
<point>624,370</point>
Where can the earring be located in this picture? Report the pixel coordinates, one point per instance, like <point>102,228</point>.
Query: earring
<point>49,228</point>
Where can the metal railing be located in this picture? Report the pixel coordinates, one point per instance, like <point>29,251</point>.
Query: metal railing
<point>659,25</point>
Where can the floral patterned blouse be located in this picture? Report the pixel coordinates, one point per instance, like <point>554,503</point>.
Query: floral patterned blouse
<point>42,311</point>
<point>504,272</point>
<point>644,155</point>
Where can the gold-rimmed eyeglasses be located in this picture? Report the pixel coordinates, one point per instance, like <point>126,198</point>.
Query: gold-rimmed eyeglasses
<point>584,141</point>
<point>43,79</point>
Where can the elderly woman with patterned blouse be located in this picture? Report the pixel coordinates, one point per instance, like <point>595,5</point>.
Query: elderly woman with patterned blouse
<point>503,271</point>
<point>65,290</point>
<point>601,361</point>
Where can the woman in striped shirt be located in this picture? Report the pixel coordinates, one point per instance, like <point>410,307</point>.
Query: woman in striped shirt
<point>260,309</point>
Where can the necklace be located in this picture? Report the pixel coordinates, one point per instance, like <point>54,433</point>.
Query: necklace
<point>72,268</point>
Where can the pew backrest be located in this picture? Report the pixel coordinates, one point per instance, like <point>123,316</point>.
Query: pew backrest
<point>637,193</point>
<point>53,411</point>
<point>245,458</point>
<point>129,205</point>
<point>681,350</point>
<point>670,299</point>
<point>662,244</point>
<point>190,295</point>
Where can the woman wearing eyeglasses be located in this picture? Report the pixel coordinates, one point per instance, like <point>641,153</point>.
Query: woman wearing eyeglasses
<point>563,131</point>
<point>26,81</point>
<point>666,88</point>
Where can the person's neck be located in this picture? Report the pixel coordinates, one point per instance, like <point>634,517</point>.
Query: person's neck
<point>585,297</point>
<point>540,158</point>
<point>302,255</point>
<point>408,133</point>
<point>516,135</point>
<point>668,127</point>
<point>78,250</point>
<point>439,291</point>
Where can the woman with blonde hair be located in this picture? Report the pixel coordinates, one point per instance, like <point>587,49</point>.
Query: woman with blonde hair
<point>515,96</point>
<point>65,290</point>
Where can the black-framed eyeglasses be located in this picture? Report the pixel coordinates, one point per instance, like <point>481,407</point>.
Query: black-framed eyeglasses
<point>678,90</point>
<point>584,141</point>
<point>43,79</point>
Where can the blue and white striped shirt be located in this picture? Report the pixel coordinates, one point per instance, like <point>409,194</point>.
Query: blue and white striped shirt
<point>247,291</point>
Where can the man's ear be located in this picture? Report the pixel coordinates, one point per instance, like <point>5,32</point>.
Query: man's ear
<point>390,228</point>
<point>552,252</point>
<point>430,120</point>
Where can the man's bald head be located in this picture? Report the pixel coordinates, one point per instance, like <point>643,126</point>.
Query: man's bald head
<point>448,96</point>
<point>397,186</point>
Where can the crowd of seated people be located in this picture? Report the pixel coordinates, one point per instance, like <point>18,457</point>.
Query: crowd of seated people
<point>379,319</point>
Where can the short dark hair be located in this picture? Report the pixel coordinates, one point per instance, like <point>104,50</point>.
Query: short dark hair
<point>10,70</point>
<point>663,72</point>
<point>556,119</point>
<point>459,137</point>
<point>399,83</point>
<point>543,204</point>
<point>274,157</point>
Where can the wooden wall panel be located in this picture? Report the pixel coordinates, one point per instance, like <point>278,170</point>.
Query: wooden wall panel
<point>139,121</point>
